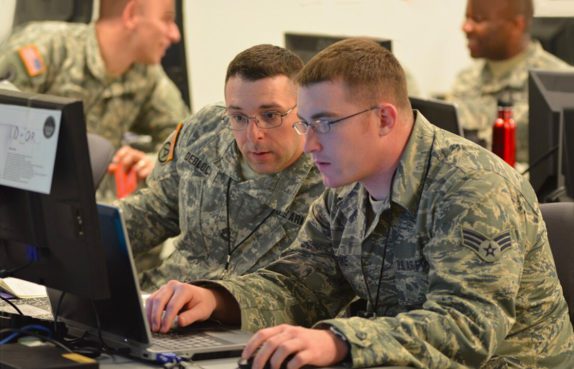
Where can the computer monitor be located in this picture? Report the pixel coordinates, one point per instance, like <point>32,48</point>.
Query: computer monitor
<point>307,45</point>
<point>556,34</point>
<point>54,239</point>
<point>569,151</point>
<point>440,113</point>
<point>551,95</point>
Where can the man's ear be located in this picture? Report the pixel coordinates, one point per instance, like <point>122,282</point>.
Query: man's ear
<point>387,118</point>
<point>520,24</point>
<point>129,14</point>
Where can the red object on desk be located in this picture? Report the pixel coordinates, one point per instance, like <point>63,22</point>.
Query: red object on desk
<point>126,181</point>
<point>504,134</point>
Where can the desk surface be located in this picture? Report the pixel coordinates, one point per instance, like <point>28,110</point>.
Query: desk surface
<point>228,363</point>
<point>40,308</point>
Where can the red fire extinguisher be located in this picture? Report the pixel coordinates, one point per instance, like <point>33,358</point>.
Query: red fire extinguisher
<point>504,134</point>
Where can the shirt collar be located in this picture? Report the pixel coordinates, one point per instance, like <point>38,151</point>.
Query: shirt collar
<point>408,181</point>
<point>94,60</point>
<point>277,190</point>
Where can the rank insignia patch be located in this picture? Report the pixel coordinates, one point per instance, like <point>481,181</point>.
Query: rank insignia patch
<point>489,249</point>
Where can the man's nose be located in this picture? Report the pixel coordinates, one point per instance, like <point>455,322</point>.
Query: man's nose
<point>174,33</point>
<point>253,130</point>
<point>467,25</point>
<point>312,143</point>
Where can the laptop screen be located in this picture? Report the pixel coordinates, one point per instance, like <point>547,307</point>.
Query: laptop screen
<point>122,314</point>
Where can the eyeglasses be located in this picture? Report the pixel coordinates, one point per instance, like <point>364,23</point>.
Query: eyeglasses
<point>265,120</point>
<point>323,125</point>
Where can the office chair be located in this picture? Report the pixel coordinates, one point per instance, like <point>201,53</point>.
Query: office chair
<point>559,219</point>
<point>101,154</point>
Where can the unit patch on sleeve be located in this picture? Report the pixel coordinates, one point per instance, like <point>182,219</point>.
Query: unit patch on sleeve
<point>489,249</point>
<point>32,60</point>
<point>167,150</point>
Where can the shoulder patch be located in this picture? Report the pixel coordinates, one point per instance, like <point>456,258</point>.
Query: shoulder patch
<point>166,151</point>
<point>32,60</point>
<point>489,249</point>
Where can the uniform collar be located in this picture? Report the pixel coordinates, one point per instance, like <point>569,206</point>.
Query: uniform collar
<point>131,80</point>
<point>276,190</point>
<point>514,78</point>
<point>94,60</point>
<point>409,176</point>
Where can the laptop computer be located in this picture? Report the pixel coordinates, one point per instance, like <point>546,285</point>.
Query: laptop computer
<point>121,319</point>
<point>440,113</point>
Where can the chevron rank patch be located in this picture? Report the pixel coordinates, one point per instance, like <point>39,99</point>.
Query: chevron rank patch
<point>489,249</point>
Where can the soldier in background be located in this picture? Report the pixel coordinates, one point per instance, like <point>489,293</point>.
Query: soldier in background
<point>231,183</point>
<point>498,33</point>
<point>112,65</point>
<point>443,239</point>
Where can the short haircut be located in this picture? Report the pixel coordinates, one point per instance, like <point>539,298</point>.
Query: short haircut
<point>112,8</point>
<point>262,61</point>
<point>369,71</point>
<point>522,7</point>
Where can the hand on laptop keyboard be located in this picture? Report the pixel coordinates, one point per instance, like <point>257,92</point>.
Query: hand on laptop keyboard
<point>174,324</point>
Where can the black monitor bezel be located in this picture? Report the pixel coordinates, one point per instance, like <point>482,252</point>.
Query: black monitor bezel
<point>61,229</point>
<point>547,165</point>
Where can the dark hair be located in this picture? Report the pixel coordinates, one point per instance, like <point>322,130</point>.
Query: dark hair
<point>369,70</point>
<point>262,61</point>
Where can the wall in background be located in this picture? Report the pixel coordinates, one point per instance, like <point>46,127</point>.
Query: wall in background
<point>426,34</point>
<point>426,37</point>
<point>6,18</point>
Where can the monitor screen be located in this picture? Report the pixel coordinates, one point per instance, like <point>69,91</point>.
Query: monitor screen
<point>569,151</point>
<point>440,113</point>
<point>556,34</point>
<point>307,45</point>
<point>550,93</point>
<point>54,239</point>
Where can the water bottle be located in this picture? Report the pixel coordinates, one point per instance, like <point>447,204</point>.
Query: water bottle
<point>504,134</point>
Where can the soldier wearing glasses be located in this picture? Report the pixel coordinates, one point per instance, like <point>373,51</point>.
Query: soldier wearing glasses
<point>443,240</point>
<point>232,182</point>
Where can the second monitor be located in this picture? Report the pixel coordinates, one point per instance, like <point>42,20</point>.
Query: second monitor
<point>306,45</point>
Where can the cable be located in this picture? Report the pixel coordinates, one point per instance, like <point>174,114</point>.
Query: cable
<point>11,304</point>
<point>103,344</point>
<point>540,159</point>
<point>26,331</point>
<point>10,272</point>
<point>230,249</point>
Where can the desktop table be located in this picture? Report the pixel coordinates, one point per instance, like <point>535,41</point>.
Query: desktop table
<point>40,308</point>
<point>117,362</point>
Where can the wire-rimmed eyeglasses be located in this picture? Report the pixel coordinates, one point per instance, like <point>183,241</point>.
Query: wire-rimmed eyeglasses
<point>323,125</point>
<point>267,119</point>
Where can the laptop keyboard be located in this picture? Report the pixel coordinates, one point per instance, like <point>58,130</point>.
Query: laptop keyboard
<point>174,340</point>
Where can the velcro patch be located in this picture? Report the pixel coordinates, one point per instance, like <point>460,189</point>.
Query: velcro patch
<point>489,249</point>
<point>32,59</point>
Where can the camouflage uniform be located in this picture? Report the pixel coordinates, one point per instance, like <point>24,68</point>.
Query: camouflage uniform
<point>476,92</point>
<point>143,100</point>
<point>469,279</point>
<point>187,196</point>
<point>5,85</point>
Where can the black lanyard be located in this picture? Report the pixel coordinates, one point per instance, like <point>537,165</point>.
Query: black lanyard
<point>231,249</point>
<point>371,308</point>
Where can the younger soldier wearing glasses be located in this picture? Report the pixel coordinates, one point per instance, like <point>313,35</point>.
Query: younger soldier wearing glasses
<point>231,183</point>
<point>443,240</point>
